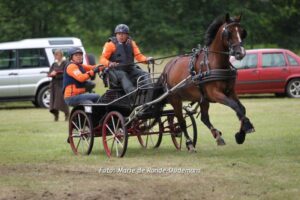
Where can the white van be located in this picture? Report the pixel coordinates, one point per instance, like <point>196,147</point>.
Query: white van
<point>24,66</point>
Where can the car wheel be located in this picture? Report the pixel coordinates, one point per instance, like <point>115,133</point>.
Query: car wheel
<point>43,97</point>
<point>293,88</point>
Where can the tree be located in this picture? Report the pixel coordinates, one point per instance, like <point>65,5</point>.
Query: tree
<point>158,26</point>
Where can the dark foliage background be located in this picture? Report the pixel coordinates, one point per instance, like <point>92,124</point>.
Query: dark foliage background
<point>162,27</point>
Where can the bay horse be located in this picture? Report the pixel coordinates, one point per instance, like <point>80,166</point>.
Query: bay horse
<point>212,76</point>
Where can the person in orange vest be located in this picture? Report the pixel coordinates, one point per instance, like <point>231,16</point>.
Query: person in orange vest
<point>75,79</point>
<point>119,53</point>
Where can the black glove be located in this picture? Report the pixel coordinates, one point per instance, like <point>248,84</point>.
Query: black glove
<point>150,60</point>
<point>113,64</point>
<point>97,70</point>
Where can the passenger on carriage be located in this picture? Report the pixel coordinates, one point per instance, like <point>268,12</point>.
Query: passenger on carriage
<point>119,53</point>
<point>76,78</point>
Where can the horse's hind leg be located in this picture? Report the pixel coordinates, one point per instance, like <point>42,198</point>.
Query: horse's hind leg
<point>177,105</point>
<point>204,107</point>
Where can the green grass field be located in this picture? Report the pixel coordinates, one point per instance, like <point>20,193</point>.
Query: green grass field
<point>37,163</point>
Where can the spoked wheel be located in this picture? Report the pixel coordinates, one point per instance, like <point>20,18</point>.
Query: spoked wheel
<point>152,135</point>
<point>114,135</point>
<point>81,137</point>
<point>177,134</point>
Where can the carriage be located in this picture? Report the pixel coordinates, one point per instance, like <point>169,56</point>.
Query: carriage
<point>117,116</point>
<point>205,76</point>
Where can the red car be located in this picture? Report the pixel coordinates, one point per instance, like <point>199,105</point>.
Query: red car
<point>268,71</point>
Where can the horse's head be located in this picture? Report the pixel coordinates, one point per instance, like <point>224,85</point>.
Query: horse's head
<point>233,35</point>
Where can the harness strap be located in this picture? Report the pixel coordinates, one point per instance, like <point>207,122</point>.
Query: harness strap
<point>215,75</point>
<point>210,74</point>
<point>192,62</point>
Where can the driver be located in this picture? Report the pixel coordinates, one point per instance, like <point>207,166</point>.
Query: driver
<point>122,50</point>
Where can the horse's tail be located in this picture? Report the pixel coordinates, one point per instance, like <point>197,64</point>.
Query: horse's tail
<point>161,87</point>
<point>157,108</point>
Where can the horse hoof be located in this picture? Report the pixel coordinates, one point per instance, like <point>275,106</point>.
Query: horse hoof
<point>240,137</point>
<point>220,141</point>
<point>250,130</point>
<point>192,150</point>
<point>247,126</point>
<point>190,146</point>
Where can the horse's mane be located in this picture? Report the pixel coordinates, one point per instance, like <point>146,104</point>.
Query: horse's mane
<point>213,29</point>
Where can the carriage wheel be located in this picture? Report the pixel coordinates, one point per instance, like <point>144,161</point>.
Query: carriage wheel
<point>114,135</point>
<point>177,134</point>
<point>81,137</point>
<point>153,139</point>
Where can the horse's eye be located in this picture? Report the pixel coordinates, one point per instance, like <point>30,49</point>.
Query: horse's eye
<point>226,34</point>
<point>243,34</point>
<point>229,34</point>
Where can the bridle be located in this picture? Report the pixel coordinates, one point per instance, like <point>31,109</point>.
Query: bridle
<point>227,35</point>
<point>209,74</point>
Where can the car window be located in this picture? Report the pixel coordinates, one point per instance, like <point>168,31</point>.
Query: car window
<point>273,60</point>
<point>65,51</point>
<point>249,61</point>
<point>7,59</point>
<point>292,61</point>
<point>32,58</point>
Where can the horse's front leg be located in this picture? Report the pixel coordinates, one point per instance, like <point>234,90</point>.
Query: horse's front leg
<point>204,107</point>
<point>236,105</point>
<point>246,125</point>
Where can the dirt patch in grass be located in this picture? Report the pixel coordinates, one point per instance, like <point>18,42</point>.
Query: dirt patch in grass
<point>52,181</point>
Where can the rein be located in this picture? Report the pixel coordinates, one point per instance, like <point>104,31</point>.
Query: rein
<point>152,62</point>
<point>220,52</point>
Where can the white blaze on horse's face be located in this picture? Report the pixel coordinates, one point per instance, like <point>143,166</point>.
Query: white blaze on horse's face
<point>234,39</point>
<point>240,41</point>
<point>238,34</point>
<point>236,44</point>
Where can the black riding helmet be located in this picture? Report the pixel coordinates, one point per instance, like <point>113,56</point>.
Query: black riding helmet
<point>74,50</point>
<point>122,28</point>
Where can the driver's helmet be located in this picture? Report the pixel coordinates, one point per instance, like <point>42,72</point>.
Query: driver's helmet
<point>74,50</point>
<point>122,28</point>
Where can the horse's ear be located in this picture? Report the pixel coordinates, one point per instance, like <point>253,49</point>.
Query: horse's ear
<point>227,18</point>
<point>239,17</point>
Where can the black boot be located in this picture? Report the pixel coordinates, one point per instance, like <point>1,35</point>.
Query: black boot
<point>66,116</point>
<point>56,117</point>
<point>55,113</point>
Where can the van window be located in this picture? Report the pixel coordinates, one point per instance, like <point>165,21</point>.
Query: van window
<point>64,50</point>
<point>32,58</point>
<point>61,42</point>
<point>7,59</point>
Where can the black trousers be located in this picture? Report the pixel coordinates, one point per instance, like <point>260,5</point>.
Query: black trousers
<point>128,78</point>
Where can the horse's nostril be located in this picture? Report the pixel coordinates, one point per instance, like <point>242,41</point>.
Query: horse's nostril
<point>239,55</point>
